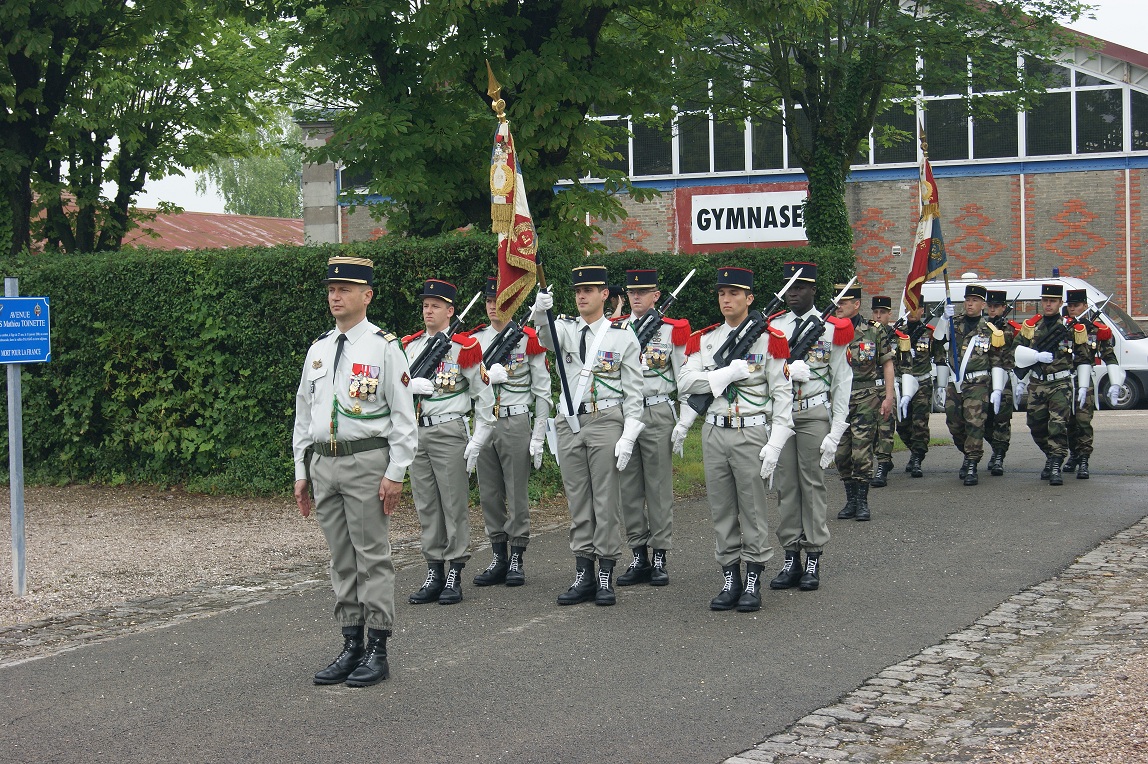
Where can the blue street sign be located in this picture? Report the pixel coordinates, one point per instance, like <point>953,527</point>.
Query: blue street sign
<point>25,334</point>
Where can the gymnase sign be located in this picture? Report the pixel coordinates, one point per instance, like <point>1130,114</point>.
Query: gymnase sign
<point>774,216</point>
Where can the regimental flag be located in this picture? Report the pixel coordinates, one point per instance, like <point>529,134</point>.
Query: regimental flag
<point>929,258</point>
<point>510,217</point>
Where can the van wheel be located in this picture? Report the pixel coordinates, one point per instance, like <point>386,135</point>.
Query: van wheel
<point>1131,398</point>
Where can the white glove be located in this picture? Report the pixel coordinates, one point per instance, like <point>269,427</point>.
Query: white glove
<point>682,429</point>
<point>421,386</point>
<point>1044,357</point>
<point>1084,377</point>
<point>771,451</point>
<point>497,374</point>
<point>1081,397</point>
<point>829,444</point>
<point>474,446</point>
<point>537,438</point>
<point>1019,390</point>
<point>949,311</point>
<point>625,445</point>
<point>720,379</point>
<point>996,396</point>
<point>799,371</point>
<point>1000,379</point>
<point>909,386</point>
<point>542,303</point>
<point>1114,393</point>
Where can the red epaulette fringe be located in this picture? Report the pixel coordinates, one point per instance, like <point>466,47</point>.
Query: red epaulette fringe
<point>680,334</point>
<point>843,331</point>
<point>411,338</point>
<point>694,343</point>
<point>1103,331</point>
<point>533,346</point>
<point>778,344</point>
<point>471,353</point>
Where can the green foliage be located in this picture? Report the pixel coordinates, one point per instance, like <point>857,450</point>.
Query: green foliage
<point>266,179</point>
<point>182,367</point>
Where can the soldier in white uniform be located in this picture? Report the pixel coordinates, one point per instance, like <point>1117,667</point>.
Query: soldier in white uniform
<point>521,382</point>
<point>602,369</point>
<point>648,482</point>
<point>445,457</point>
<point>739,450</point>
<point>822,383</point>
<point>353,441</point>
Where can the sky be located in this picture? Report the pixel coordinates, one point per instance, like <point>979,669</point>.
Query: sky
<point>1117,21</point>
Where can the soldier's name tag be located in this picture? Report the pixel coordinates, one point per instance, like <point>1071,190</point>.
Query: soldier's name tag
<point>515,361</point>
<point>657,355</point>
<point>754,361</point>
<point>447,375</point>
<point>364,381</point>
<point>608,361</point>
<point>866,351</point>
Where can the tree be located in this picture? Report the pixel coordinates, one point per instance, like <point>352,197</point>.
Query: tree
<point>406,85</point>
<point>267,179</point>
<point>828,69</point>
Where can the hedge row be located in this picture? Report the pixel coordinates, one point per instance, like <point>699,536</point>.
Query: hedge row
<point>181,367</point>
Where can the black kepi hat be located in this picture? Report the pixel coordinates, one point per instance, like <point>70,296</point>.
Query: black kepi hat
<point>852,293</point>
<point>646,278</point>
<point>742,278</point>
<point>491,288</point>
<point>352,270</point>
<point>1077,296</point>
<point>976,290</point>
<point>808,272</point>
<point>882,301</point>
<point>589,275</point>
<point>444,290</point>
<point>1054,291</point>
<point>996,297</point>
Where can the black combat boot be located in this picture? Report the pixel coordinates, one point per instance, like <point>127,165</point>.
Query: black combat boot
<point>495,573</point>
<point>964,470</point>
<point>849,511</point>
<point>1046,473</point>
<point>790,573</point>
<point>452,587</point>
<point>640,569</point>
<point>432,587</point>
<point>731,588</point>
<point>811,578</point>
<point>1055,476</point>
<point>1069,463</point>
<point>914,466</point>
<point>862,514</point>
<point>373,668</point>
<point>659,577</point>
<point>881,476</point>
<point>347,661</point>
<point>516,568</point>
<point>750,599</point>
<point>971,472</point>
<point>605,594</point>
<point>1082,468</point>
<point>996,463</point>
<point>584,587</point>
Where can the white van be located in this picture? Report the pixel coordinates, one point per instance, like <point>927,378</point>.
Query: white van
<point>1131,341</point>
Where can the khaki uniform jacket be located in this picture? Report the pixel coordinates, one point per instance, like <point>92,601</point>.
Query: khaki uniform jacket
<point>828,361</point>
<point>461,382</point>
<point>529,382</point>
<point>615,370</point>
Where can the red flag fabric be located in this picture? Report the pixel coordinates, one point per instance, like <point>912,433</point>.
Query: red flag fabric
<point>929,257</point>
<point>510,217</point>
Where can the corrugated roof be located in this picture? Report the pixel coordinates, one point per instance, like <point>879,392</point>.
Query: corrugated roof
<point>210,230</point>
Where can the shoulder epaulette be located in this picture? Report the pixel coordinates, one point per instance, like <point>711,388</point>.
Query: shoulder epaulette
<point>1015,326</point>
<point>843,330</point>
<point>694,343</point>
<point>388,336</point>
<point>471,352</point>
<point>904,344</point>
<point>478,328</point>
<point>931,328</point>
<point>321,336</point>
<point>533,346</point>
<point>1103,331</point>
<point>680,332</point>
<point>564,317</point>
<point>620,323</point>
<point>1028,329</point>
<point>900,334</point>
<point>412,337</point>
<point>1079,334</point>
<point>781,312</point>
<point>1033,321</point>
<point>778,343</point>
<point>621,318</point>
<point>998,340</point>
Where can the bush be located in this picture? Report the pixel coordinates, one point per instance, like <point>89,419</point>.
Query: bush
<point>181,367</point>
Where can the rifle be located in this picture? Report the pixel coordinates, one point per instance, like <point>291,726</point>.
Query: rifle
<point>647,326</point>
<point>1047,344</point>
<point>503,343</point>
<point>915,334</point>
<point>739,342</point>
<point>812,327</point>
<point>427,362</point>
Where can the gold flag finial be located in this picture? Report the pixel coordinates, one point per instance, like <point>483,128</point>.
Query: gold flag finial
<point>494,90</point>
<point>924,141</point>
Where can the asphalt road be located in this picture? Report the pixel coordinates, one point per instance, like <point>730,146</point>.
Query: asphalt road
<point>508,676</point>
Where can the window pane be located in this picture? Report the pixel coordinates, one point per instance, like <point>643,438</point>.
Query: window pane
<point>901,151</point>
<point>804,136</point>
<point>947,129</point>
<point>1084,80</point>
<point>729,146</point>
<point>767,142</point>
<point>350,180</point>
<point>1099,121</point>
<point>947,75</point>
<point>620,146</point>
<point>1048,127</point>
<point>653,152</point>
<point>996,139</point>
<point>1052,75</point>
<point>995,72</point>
<point>693,143</point>
<point>1139,121</point>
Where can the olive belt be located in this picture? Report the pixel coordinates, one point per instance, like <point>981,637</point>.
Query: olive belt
<point>348,447</point>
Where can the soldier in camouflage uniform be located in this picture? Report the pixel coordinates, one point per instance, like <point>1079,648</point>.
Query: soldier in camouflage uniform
<point>916,353</point>
<point>1055,353</point>
<point>1102,346</point>
<point>871,356</point>
<point>998,427</point>
<point>883,453</point>
<point>978,382</point>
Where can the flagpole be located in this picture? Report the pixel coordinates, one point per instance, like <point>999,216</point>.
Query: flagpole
<point>945,273</point>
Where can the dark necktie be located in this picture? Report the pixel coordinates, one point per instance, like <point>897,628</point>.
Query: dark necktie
<point>338,354</point>
<point>582,344</point>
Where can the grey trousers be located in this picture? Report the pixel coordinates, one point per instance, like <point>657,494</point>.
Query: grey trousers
<point>648,482</point>
<point>800,481</point>
<point>503,476</point>
<point>350,514</point>
<point>441,490</point>
<point>736,493</point>
<point>590,479</point>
